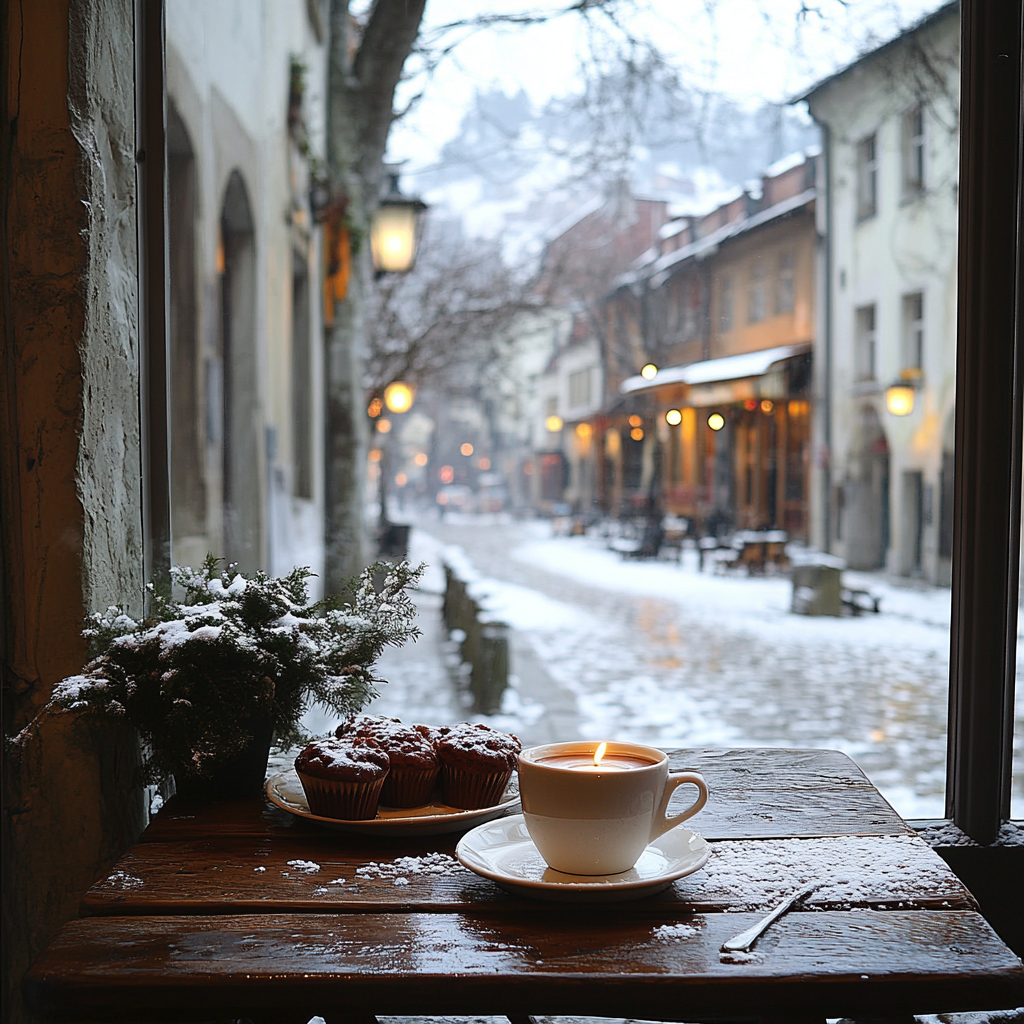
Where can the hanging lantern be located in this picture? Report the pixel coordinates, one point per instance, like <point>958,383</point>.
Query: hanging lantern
<point>899,396</point>
<point>395,229</point>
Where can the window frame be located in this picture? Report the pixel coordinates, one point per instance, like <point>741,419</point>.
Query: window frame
<point>912,331</point>
<point>912,151</point>
<point>867,174</point>
<point>987,478</point>
<point>865,343</point>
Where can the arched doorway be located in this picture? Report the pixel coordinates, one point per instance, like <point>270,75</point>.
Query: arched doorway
<point>241,463</point>
<point>188,487</point>
<point>866,497</point>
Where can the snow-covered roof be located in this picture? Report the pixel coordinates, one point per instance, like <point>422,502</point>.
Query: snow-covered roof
<point>927,19</point>
<point>712,241</point>
<point>749,364</point>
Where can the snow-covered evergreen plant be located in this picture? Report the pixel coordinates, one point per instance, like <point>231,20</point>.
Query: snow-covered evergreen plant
<point>195,674</point>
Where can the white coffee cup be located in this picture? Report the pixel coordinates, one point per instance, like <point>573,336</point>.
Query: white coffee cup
<point>588,819</point>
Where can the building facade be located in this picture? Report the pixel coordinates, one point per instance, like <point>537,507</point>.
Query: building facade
<point>883,471</point>
<point>716,427</point>
<point>246,124</point>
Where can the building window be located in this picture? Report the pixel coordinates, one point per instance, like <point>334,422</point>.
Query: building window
<point>864,343</point>
<point>691,312</point>
<point>912,356</point>
<point>913,152</point>
<point>725,310</point>
<point>867,177</point>
<point>785,299</point>
<point>579,388</point>
<point>755,308</point>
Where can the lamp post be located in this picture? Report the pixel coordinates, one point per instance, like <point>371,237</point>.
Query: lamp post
<point>398,398</point>
<point>395,228</point>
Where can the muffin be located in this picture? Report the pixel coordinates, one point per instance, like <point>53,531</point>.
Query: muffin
<point>342,778</point>
<point>476,764</point>
<point>414,765</point>
<point>363,725</point>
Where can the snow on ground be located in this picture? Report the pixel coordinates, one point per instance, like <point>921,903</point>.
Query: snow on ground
<point>664,654</point>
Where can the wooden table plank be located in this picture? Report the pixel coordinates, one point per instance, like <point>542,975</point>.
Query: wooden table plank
<point>540,960</point>
<point>755,793</point>
<point>326,873</point>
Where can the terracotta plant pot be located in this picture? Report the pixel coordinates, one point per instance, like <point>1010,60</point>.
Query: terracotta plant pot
<point>239,776</point>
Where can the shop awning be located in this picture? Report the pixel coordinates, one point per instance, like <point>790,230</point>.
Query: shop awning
<point>727,371</point>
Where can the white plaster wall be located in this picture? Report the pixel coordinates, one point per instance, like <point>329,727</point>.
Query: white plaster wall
<point>907,246</point>
<point>228,74</point>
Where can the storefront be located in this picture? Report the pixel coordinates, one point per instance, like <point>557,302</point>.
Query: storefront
<point>731,439</point>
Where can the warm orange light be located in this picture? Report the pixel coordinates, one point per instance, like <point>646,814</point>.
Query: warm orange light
<point>484,463</point>
<point>220,254</point>
<point>899,399</point>
<point>637,434</point>
<point>383,425</point>
<point>553,424</point>
<point>767,406</point>
<point>447,474</point>
<point>673,417</point>
<point>635,421</point>
<point>420,458</point>
<point>399,396</point>
<point>716,421</point>
<point>797,408</point>
<point>584,430</point>
<point>467,449</point>
<point>401,479</point>
<point>599,753</point>
<point>374,455</point>
<point>375,408</point>
<point>750,404</point>
<point>649,372</point>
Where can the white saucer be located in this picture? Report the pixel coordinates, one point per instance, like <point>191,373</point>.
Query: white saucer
<point>503,851</point>
<point>285,790</point>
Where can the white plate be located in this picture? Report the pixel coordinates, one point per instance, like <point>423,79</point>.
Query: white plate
<point>503,851</point>
<point>285,790</point>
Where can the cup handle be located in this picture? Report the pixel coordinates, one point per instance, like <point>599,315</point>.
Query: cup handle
<point>662,822</point>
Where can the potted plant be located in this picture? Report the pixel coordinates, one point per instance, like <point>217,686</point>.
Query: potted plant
<point>209,678</point>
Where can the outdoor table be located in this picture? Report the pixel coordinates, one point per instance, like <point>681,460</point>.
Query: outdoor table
<point>230,910</point>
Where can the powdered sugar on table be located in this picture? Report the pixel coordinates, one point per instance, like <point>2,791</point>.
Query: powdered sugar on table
<point>399,870</point>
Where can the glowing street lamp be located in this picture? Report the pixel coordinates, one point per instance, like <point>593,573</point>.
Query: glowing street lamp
<point>553,424</point>
<point>398,397</point>
<point>395,229</point>
<point>649,372</point>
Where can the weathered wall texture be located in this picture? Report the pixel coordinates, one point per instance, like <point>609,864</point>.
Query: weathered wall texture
<point>70,500</point>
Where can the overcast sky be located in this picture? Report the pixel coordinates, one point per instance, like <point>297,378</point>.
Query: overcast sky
<point>754,50</point>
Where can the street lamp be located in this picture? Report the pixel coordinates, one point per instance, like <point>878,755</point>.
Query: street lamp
<point>398,397</point>
<point>899,396</point>
<point>395,228</point>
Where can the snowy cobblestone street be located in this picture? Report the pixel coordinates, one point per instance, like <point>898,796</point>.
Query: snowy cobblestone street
<point>660,653</point>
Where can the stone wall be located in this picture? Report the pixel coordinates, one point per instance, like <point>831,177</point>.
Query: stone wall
<point>70,497</point>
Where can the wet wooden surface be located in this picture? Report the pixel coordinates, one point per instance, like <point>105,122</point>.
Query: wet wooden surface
<point>754,793</point>
<point>207,917</point>
<point>241,874</point>
<point>539,960</point>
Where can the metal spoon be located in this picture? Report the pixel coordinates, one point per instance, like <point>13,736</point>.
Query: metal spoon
<point>743,941</point>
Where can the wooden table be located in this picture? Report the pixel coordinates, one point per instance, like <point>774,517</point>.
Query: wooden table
<point>206,918</point>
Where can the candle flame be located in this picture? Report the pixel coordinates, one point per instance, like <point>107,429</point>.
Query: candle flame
<point>599,753</point>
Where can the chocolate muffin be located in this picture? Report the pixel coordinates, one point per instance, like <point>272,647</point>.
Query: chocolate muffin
<point>414,765</point>
<point>342,778</point>
<point>476,764</point>
<point>363,725</point>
